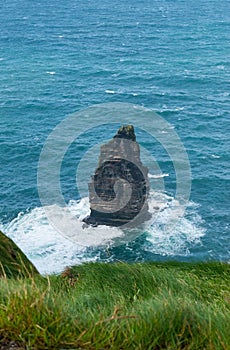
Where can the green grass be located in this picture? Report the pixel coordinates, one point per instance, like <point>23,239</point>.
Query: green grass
<point>120,306</point>
<point>13,262</point>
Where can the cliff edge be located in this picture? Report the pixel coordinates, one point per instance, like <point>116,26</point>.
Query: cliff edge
<point>13,262</point>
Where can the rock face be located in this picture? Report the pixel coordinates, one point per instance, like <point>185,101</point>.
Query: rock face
<point>119,188</point>
<point>13,263</point>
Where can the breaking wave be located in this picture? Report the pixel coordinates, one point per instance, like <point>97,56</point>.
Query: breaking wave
<point>51,252</point>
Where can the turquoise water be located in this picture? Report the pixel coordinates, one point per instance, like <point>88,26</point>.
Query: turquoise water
<point>173,57</point>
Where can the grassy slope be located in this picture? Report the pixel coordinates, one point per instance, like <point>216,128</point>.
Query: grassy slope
<point>120,306</point>
<point>13,262</point>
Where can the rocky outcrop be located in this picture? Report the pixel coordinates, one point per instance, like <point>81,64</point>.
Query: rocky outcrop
<point>119,188</point>
<point>13,263</point>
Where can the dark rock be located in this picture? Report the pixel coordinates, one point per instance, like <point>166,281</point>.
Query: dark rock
<point>126,132</point>
<point>119,188</point>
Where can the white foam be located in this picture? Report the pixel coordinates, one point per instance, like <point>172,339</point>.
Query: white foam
<point>110,91</point>
<point>41,243</point>
<point>175,109</point>
<point>51,251</point>
<point>51,73</point>
<point>151,176</point>
<point>169,232</point>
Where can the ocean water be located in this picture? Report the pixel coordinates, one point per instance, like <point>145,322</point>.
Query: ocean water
<point>172,57</point>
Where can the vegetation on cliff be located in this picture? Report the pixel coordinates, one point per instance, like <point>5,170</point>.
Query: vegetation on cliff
<point>120,306</point>
<point>13,262</point>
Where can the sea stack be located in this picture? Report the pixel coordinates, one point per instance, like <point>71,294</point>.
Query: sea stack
<point>119,188</point>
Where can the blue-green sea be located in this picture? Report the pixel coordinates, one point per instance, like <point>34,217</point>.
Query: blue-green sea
<point>170,56</point>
